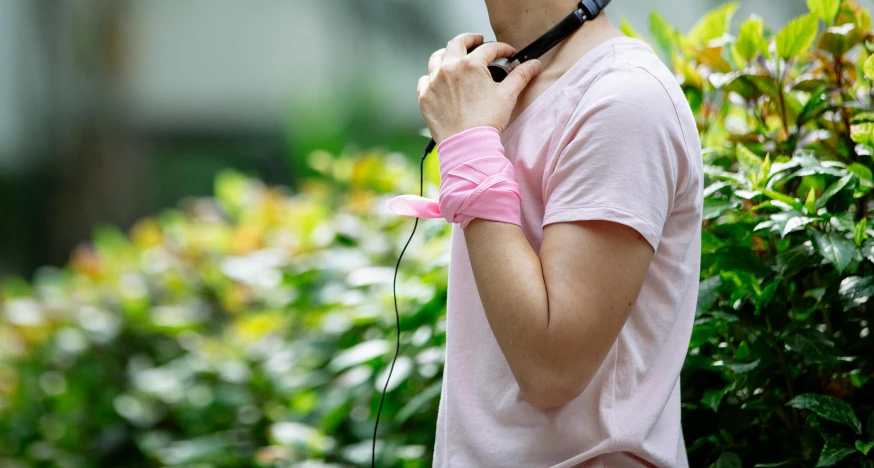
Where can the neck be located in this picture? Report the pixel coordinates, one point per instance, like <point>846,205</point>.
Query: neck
<point>520,22</point>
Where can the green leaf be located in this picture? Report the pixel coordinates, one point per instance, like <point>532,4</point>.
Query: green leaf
<point>830,456</point>
<point>628,30</point>
<point>835,248</point>
<point>792,202</point>
<point>855,290</point>
<point>765,172</point>
<point>829,408</point>
<point>750,162</point>
<point>727,460</point>
<point>743,367</point>
<point>860,235</point>
<point>751,39</point>
<point>866,178</point>
<point>814,107</point>
<point>810,203</point>
<point>418,402</point>
<point>863,447</point>
<point>712,398</point>
<point>824,9</point>
<point>869,68</point>
<point>664,34</point>
<point>863,133</point>
<point>713,25</point>
<point>834,189</point>
<point>796,37</point>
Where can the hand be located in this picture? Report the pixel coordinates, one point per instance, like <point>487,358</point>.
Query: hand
<point>458,93</point>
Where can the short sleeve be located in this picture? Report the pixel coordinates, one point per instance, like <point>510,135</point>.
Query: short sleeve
<point>619,156</point>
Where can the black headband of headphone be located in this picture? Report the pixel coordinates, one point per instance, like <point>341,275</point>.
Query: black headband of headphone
<point>586,10</point>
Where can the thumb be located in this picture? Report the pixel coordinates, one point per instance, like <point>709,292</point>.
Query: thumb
<point>519,78</point>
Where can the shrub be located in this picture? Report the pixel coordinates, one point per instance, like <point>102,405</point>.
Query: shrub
<point>255,327</point>
<point>247,329</point>
<point>779,371</point>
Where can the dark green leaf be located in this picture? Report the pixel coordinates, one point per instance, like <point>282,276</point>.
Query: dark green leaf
<point>835,248</point>
<point>727,460</point>
<point>829,408</point>
<point>856,291</point>
<point>814,107</point>
<point>742,368</point>
<point>863,447</point>
<point>834,189</point>
<point>712,398</point>
<point>831,457</point>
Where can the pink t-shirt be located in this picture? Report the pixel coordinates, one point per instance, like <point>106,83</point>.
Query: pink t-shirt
<point>613,139</point>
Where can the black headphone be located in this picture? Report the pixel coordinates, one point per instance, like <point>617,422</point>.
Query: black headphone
<point>500,68</point>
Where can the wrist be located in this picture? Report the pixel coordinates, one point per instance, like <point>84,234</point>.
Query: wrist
<point>458,148</point>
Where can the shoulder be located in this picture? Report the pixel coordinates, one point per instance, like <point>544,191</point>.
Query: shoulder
<point>636,78</point>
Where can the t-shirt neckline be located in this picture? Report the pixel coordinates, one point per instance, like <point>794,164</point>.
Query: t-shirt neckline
<point>577,68</point>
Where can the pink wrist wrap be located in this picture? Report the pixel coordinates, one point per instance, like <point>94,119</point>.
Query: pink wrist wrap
<point>476,181</point>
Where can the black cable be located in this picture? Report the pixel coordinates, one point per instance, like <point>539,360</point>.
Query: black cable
<point>428,149</point>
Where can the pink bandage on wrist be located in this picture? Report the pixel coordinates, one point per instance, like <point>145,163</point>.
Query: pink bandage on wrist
<point>476,181</point>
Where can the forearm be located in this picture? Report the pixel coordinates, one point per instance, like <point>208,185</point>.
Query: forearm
<point>509,277</point>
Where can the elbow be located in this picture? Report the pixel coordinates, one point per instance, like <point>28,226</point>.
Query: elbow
<point>547,389</point>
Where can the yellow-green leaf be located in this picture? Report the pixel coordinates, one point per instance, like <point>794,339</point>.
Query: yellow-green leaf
<point>810,203</point>
<point>824,9</point>
<point>863,133</point>
<point>797,36</point>
<point>751,39</point>
<point>751,163</point>
<point>869,68</point>
<point>628,30</point>
<point>713,25</point>
<point>663,33</point>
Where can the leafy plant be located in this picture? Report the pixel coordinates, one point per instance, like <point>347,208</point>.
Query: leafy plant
<point>246,329</point>
<point>780,365</point>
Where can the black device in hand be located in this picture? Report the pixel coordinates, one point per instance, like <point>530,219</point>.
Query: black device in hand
<point>500,68</point>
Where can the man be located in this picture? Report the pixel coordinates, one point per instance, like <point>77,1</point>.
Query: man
<point>571,302</point>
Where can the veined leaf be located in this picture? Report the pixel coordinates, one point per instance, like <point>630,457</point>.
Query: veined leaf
<point>713,25</point>
<point>835,248</point>
<point>825,9</point>
<point>831,456</point>
<point>828,407</point>
<point>751,39</point>
<point>663,33</point>
<point>796,37</point>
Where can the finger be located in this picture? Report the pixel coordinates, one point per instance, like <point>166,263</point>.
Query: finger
<point>519,78</point>
<point>435,61</point>
<point>423,83</point>
<point>457,48</point>
<point>487,53</point>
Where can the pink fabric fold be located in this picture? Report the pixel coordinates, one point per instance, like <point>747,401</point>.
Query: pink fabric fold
<point>476,181</point>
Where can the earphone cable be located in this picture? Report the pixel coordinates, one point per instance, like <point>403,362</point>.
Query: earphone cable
<point>428,150</point>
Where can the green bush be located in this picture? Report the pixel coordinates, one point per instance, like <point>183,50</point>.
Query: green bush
<point>252,328</point>
<point>256,327</point>
<point>779,371</point>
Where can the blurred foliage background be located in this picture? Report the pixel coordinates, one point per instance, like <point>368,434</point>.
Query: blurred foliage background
<point>197,261</point>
